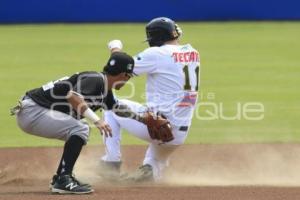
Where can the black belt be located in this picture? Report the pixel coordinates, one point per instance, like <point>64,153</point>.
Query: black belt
<point>183,128</point>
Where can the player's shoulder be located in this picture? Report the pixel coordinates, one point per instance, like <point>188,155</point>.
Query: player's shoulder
<point>149,53</point>
<point>189,47</point>
<point>151,50</point>
<point>90,76</point>
<point>90,82</point>
<point>88,73</point>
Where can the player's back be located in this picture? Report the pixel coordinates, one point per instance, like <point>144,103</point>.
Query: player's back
<point>53,95</point>
<point>172,79</point>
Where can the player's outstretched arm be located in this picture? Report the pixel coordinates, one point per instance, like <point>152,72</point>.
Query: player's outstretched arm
<point>78,103</point>
<point>159,128</point>
<point>123,110</point>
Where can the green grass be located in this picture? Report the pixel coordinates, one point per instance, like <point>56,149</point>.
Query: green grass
<point>240,62</point>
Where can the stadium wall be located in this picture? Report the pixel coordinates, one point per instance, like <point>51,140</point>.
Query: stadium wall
<point>61,11</point>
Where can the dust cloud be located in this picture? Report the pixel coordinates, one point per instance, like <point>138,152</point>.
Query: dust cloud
<point>236,164</point>
<point>190,165</point>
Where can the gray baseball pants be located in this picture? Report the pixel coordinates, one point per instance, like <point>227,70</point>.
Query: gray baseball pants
<point>43,122</point>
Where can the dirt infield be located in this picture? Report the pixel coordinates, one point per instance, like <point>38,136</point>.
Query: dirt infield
<point>223,172</point>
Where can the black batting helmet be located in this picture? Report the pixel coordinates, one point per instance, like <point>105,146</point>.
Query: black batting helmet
<point>160,30</point>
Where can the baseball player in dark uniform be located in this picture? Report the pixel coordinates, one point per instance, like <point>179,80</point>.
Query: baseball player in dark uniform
<point>55,111</point>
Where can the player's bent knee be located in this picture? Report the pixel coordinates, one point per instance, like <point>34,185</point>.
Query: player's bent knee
<point>82,131</point>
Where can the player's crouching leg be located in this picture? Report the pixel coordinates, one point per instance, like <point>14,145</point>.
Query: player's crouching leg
<point>157,158</point>
<point>65,182</point>
<point>158,154</point>
<point>110,163</point>
<point>82,130</point>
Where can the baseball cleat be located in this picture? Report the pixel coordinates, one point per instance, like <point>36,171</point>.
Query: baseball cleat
<point>54,178</point>
<point>110,170</point>
<point>67,184</point>
<point>143,174</point>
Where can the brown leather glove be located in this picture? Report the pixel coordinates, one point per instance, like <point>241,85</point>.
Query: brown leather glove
<point>159,128</point>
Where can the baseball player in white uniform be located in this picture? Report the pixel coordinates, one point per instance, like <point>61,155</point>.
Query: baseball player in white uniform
<point>172,72</point>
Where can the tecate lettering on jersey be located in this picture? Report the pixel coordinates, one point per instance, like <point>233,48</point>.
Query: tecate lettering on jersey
<point>191,56</point>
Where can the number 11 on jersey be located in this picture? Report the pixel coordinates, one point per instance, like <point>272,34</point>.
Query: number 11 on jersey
<point>191,78</point>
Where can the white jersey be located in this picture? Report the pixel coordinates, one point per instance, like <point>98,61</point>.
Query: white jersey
<point>172,80</point>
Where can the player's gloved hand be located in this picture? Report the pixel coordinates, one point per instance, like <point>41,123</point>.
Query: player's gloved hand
<point>159,128</point>
<point>115,45</point>
<point>103,127</point>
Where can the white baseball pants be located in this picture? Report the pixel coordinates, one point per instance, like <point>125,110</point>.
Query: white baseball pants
<point>157,154</point>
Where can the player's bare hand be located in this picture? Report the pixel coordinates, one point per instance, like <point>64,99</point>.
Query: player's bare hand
<point>104,128</point>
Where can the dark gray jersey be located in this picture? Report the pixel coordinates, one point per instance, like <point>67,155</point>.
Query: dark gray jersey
<point>91,85</point>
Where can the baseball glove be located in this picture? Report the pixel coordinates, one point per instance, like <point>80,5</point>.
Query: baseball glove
<point>159,128</point>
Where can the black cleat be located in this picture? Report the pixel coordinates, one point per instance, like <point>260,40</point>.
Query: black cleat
<point>67,184</point>
<point>54,178</point>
